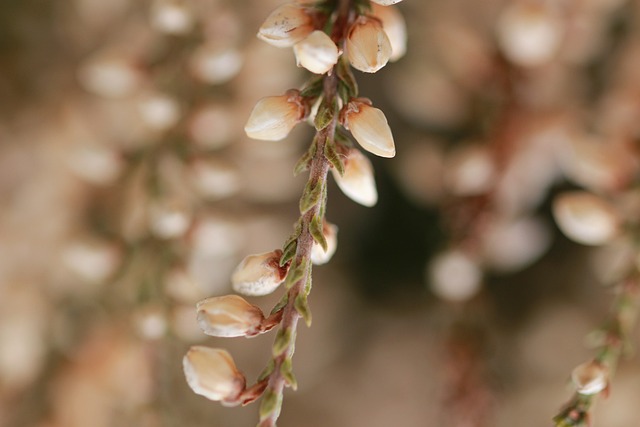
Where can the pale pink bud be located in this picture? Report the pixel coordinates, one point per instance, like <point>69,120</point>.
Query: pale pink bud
<point>368,47</point>
<point>211,372</point>
<point>529,34</point>
<point>228,316</point>
<point>386,2</point>
<point>585,218</point>
<point>259,274</point>
<point>318,255</point>
<point>317,52</point>
<point>590,377</point>
<point>395,27</point>
<point>273,117</point>
<point>286,25</point>
<point>454,276</point>
<point>369,127</point>
<point>357,182</point>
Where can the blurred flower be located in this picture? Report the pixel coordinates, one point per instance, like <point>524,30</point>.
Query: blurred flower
<point>585,218</point>
<point>215,64</point>
<point>159,112</point>
<point>228,316</point>
<point>110,76</point>
<point>211,372</point>
<point>590,377</point>
<point>171,17</point>
<point>454,276</point>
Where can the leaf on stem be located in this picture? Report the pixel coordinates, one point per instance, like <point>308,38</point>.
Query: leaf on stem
<point>286,369</point>
<point>326,113</point>
<point>333,157</point>
<point>311,195</point>
<point>282,342</point>
<point>316,229</point>
<point>302,307</point>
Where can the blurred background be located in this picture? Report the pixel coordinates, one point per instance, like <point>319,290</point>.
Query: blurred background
<point>128,192</point>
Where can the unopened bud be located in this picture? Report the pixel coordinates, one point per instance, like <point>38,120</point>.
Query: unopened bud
<point>259,274</point>
<point>286,26</point>
<point>211,372</point>
<point>590,377</point>
<point>318,255</point>
<point>454,276</point>
<point>357,182</point>
<point>585,218</point>
<point>273,117</point>
<point>317,52</point>
<point>395,27</point>
<point>368,47</point>
<point>386,2</point>
<point>369,127</point>
<point>228,316</point>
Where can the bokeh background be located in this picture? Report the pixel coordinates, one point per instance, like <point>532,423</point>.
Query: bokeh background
<point>128,192</point>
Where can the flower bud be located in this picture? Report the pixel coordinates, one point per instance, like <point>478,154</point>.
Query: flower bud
<point>368,47</point>
<point>211,372</point>
<point>590,377</point>
<point>228,316</point>
<point>259,274</point>
<point>585,218</point>
<point>357,182</point>
<point>286,26</point>
<point>273,117</point>
<point>386,2</point>
<point>369,127</point>
<point>395,27</point>
<point>318,255</point>
<point>454,276</point>
<point>317,52</point>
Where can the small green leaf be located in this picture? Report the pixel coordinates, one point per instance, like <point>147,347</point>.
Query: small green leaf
<point>334,158</point>
<point>286,369</point>
<point>313,87</point>
<point>302,307</point>
<point>316,229</point>
<point>288,252</point>
<point>268,370</point>
<point>295,274</point>
<point>346,78</point>
<point>271,402</point>
<point>326,113</point>
<point>282,341</point>
<point>303,164</point>
<point>311,195</point>
<point>281,304</point>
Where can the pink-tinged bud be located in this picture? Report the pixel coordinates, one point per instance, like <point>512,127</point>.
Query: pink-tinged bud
<point>590,377</point>
<point>273,117</point>
<point>395,27</point>
<point>586,218</point>
<point>259,274</point>
<point>368,47</point>
<point>386,2</point>
<point>318,255</point>
<point>211,372</point>
<point>317,53</point>
<point>229,316</point>
<point>286,25</point>
<point>357,182</point>
<point>369,127</point>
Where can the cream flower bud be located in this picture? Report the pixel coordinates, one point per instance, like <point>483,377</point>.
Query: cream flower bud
<point>585,218</point>
<point>369,127</point>
<point>273,117</point>
<point>228,316</point>
<point>395,27</point>
<point>357,182</point>
<point>259,274</point>
<point>590,377</point>
<point>386,2</point>
<point>211,372</point>
<point>317,52</point>
<point>286,25</point>
<point>368,47</point>
<point>318,255</point>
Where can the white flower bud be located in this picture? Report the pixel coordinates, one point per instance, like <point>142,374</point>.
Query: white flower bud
<point>259,274</point>
<point>211,372</point>
<point>386,2</point>
<point>317,52</point>
<point>273,117</point>
<point>395,27</point>
<point>590,377</point>
<point>529,34</point>
<point>286,26</point>
<point>454,276</point>
<point>368,47</point>
<point>585,218</point>
<point>228,316</point>
<point>369,127</point>
<point>318,255</point>
<point>357,182</point>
